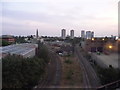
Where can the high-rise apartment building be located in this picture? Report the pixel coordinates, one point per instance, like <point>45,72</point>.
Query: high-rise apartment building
<point>92,34</point>
<point>89,34</point>
<point>71,34</point>
<point>83,34</point>
<point>63,33</point>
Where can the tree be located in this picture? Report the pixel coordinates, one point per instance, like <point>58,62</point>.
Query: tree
<point>42,52</point>
<point>19,72</point>
<point>20,39</point>
<point>5,43</point>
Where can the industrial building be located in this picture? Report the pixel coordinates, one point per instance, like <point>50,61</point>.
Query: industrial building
<point>102,44</point>
<point>103,51</point>
<point>25,50</point>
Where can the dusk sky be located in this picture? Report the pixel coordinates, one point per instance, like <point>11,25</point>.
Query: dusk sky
<point>50,16</point>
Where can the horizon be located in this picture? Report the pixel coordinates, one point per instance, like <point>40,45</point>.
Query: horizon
<point>57,35</point>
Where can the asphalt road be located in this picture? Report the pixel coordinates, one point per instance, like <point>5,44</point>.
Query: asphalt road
<point>89,75</point>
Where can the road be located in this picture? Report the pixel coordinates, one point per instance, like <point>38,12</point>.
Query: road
<point>90,78</point>
<point>53,76</point>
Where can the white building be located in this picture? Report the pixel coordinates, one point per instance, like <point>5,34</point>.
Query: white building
<point>71,34</point>
<point>63,33</point>
<point>89,34</point>
<point>83,34</point>
<point>25,49</point>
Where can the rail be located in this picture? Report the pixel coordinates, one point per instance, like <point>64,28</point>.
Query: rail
<point>110,86</point>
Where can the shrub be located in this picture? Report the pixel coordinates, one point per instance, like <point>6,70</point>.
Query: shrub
<point>108,75</point>
<point>21,72</point>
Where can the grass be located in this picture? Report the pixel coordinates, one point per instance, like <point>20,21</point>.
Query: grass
<point>69,74</point>
<point>68,61</point>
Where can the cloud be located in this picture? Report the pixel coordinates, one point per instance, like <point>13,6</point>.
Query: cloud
<point>53,15</point>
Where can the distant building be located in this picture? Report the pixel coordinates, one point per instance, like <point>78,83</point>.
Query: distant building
<point>89,34</point>
<point>71,34</point>
<point>100,45</point>
<point>25,50</point>
<point>83,34</point>
<point>37,34</point>
<point>8,38</point>
<point>92,34</point>
<point>63,33</point>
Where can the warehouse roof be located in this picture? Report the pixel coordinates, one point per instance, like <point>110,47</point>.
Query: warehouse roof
<point>19,49</point>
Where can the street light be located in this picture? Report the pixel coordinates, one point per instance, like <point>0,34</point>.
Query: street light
<point>110,46</point>
<point>93,39</point>
<point>118,39</point>
<point>103,39</point>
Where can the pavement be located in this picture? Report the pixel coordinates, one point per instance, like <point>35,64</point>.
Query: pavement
<point>111,59</point>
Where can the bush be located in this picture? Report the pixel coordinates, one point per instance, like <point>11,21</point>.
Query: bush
<point>21,72</point>
<point>43,52</point>
<point>5,43</point>
<point>108,75</point>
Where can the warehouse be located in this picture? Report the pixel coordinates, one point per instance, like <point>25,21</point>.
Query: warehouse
<point>25,50</point>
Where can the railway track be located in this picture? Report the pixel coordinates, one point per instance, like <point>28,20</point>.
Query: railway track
<point>53,73</point>
<point>57,78</point>
<point>85,75</point>
<point>89,75</point>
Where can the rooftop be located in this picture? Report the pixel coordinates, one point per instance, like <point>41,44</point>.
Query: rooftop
<point>19,49</point>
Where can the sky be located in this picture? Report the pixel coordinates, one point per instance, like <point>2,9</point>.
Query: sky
<point>50,16</point>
